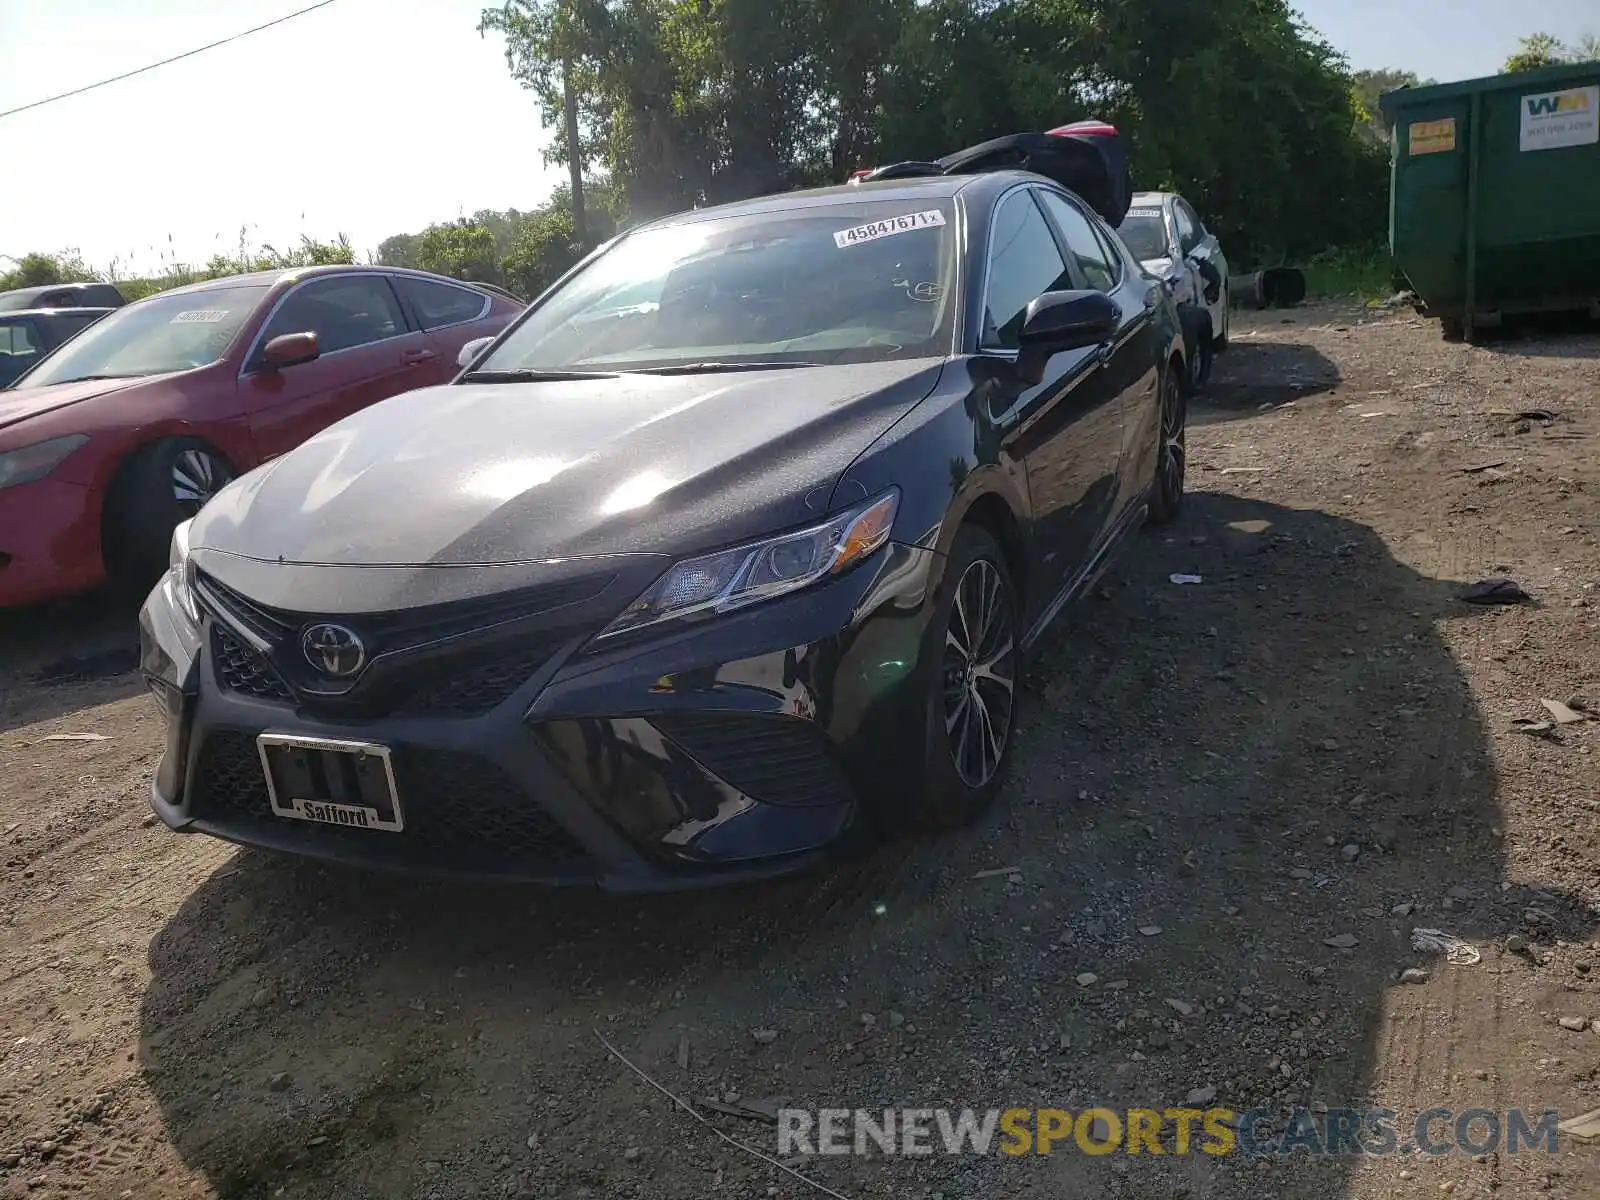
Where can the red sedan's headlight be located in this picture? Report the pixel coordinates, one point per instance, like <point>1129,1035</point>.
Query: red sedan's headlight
<point>38,460</point>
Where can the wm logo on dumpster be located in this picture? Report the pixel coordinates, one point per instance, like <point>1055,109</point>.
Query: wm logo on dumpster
<point>1558,102</point>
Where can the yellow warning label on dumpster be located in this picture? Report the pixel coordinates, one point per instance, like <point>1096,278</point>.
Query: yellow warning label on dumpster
<point>1433,137</point>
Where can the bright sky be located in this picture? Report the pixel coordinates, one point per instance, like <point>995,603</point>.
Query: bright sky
<point>368,117</point>
<point>1439,39</point>
<point>373,117</point>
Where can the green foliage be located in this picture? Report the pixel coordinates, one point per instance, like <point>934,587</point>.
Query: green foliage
<point>1367,273</point>
<point>399,250</point>
<point>1542,50</point>
<point>690,102</point>
<point>522,251</point>
<point>462,249</point>
<point>1535,51</point>
<point>1366,89</point>
<point>38,270</point>
<point>68,267</point>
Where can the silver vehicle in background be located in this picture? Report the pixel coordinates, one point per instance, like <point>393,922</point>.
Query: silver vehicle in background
<point>1168,237</point>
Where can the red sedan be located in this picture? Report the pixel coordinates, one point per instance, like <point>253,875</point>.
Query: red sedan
<point>128,429</point>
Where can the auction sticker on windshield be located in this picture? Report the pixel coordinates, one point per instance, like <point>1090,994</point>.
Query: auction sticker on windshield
<point>201,316</point>
<point>888,227</point>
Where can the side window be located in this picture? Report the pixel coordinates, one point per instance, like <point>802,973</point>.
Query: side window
<point>18,337</point>
<point>342,311</point>
<point>1084,241</point>
<point>1023,265</point>
<point>440,304</point>
<point>100,295</point>
<point>1189,234</point>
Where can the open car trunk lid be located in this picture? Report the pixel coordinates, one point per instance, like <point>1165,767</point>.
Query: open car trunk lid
<point>1088,157</point>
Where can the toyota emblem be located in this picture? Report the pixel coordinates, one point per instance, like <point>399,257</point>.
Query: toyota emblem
<point>333,650</point>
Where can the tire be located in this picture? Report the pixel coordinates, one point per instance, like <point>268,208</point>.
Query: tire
<point>1220,342</point>
<point>1453,328</point>
<point>1166,493</point>
<point>965,683</point>
<point>1198,344</point>
<point>157,488</point>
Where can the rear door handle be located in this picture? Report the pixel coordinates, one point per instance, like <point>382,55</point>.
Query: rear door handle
<point>414,358</point>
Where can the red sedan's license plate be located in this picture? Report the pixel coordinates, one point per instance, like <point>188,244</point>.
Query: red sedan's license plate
<point>330,782</point>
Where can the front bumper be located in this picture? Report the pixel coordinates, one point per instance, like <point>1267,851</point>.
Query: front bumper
<point>49,542</point>
<point>740,748</point>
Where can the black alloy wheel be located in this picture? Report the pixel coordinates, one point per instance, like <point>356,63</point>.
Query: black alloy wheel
<point>1171,451</point>
<point>979,673</point>
<point>973,661</point>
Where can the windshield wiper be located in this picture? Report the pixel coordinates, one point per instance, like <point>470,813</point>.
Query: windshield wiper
<point>709,368</point>
<point>526,375</point>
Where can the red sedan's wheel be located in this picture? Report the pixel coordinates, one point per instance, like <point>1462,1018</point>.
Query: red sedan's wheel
<point>160,486</point>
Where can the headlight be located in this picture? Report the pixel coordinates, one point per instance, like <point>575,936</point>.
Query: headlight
<point>38,460</point>
<point>180,567</point>
<point>757,571</point>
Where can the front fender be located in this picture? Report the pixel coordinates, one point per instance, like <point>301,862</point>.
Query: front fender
<point>944,456</point>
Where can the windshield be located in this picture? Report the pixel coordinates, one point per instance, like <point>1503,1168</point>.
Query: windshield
<point>1145,233</point>
<point>854,282</point>
<point>155,336</point>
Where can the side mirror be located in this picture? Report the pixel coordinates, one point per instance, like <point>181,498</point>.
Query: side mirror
<point>290,349</point>
<point>469,353</point>
<point>1058,321</point>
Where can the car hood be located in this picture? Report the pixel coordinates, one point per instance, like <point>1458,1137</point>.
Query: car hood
<point>479,474</point>
<point>1159,267</point>
<point>18,404</point>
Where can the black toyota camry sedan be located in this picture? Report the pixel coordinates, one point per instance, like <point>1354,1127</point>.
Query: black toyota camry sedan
<point>727,553</point>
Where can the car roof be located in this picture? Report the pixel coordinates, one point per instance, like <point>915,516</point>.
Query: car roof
<point>40,288</point>
<point>909,190</point>
<point>58,311</point>
<point>1147,199</point>
<point>295,274</point>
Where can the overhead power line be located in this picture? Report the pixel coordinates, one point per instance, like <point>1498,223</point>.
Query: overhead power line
<point>11,112</point>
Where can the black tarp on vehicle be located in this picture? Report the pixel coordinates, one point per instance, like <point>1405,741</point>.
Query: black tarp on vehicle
<point>1089,157</point>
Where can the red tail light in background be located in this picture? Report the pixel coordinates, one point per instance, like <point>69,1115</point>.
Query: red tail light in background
<point>1084,129</point>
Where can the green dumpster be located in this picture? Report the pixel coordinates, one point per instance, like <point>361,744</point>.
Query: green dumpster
<point>1494,201</point>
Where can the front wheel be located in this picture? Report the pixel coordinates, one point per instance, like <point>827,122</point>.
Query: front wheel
<point>970,685</point>
<point>160,486</point>
<point>1198,348</point>
<point>1166,500</point>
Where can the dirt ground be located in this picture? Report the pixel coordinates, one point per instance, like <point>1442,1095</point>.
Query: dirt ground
<point>1317,733</point>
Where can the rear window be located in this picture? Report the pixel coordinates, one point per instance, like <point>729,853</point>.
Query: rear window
<point>439,304</point>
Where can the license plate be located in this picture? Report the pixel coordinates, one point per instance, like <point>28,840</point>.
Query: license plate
<point>330,782</point>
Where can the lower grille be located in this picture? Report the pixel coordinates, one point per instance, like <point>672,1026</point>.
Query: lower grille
<point>461,812</point>
<point>241,669</point>
<point>777,760</point>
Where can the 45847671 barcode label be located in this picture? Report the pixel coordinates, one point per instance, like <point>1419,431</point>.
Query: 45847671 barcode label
<point>888,227</point>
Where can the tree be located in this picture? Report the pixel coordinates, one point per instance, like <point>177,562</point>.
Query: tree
<point>34,270</point>
<point>1369,87</point>
<point>1535,51</point>
<point>462,249</point>
<point>399,250</point>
